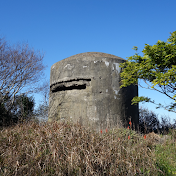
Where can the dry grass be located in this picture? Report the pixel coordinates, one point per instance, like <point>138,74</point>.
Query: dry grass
<point>67,149</point>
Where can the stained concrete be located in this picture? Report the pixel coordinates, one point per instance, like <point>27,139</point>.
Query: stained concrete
<point>85,88</point>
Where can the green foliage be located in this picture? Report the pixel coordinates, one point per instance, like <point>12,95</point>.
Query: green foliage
<point>157,68</point>
<point>21,109</point>
<point>23,106</point>
<point>5,117</point>
<point>166,157</point>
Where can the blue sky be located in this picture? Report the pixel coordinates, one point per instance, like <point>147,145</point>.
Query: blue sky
<point>62,28</point>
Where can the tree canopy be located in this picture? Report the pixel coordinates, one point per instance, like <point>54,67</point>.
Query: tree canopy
<point>22,109</point>
<point>157,68</point>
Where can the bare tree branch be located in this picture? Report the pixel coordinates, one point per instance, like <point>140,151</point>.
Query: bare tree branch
<point>20,67</point>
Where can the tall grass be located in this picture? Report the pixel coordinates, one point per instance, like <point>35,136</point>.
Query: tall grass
<point>70,149</point>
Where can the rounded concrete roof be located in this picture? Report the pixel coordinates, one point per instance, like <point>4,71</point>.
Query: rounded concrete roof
<point>94,54</point>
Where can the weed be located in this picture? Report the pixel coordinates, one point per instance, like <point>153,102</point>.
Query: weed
<point>70,149</point>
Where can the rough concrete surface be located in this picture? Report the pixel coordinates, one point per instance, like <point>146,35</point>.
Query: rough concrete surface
<point>85,88</point>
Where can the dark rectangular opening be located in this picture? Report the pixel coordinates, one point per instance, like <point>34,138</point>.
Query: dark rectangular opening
<point>63,88</point>
<point>73,84</point>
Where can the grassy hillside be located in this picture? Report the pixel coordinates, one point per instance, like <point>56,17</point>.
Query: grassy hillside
<point>69,149</point>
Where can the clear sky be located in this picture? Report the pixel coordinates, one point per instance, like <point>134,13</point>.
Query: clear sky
<point>62,28</point>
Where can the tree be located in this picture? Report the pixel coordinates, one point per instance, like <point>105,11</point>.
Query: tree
<point>21,110</point>
<point>21,69</point>
<point>42,111</point>
<point>5,118</point>
<point>148,120</point>
<point>157,68</point>
<point>23,107</point>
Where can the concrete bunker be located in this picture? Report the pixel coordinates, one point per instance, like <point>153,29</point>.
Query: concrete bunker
<point>85,88</point>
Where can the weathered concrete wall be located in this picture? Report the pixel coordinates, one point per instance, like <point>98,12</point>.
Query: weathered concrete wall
<point>85,88</point>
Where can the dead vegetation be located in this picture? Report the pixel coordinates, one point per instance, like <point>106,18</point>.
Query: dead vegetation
<point>67,149</point>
